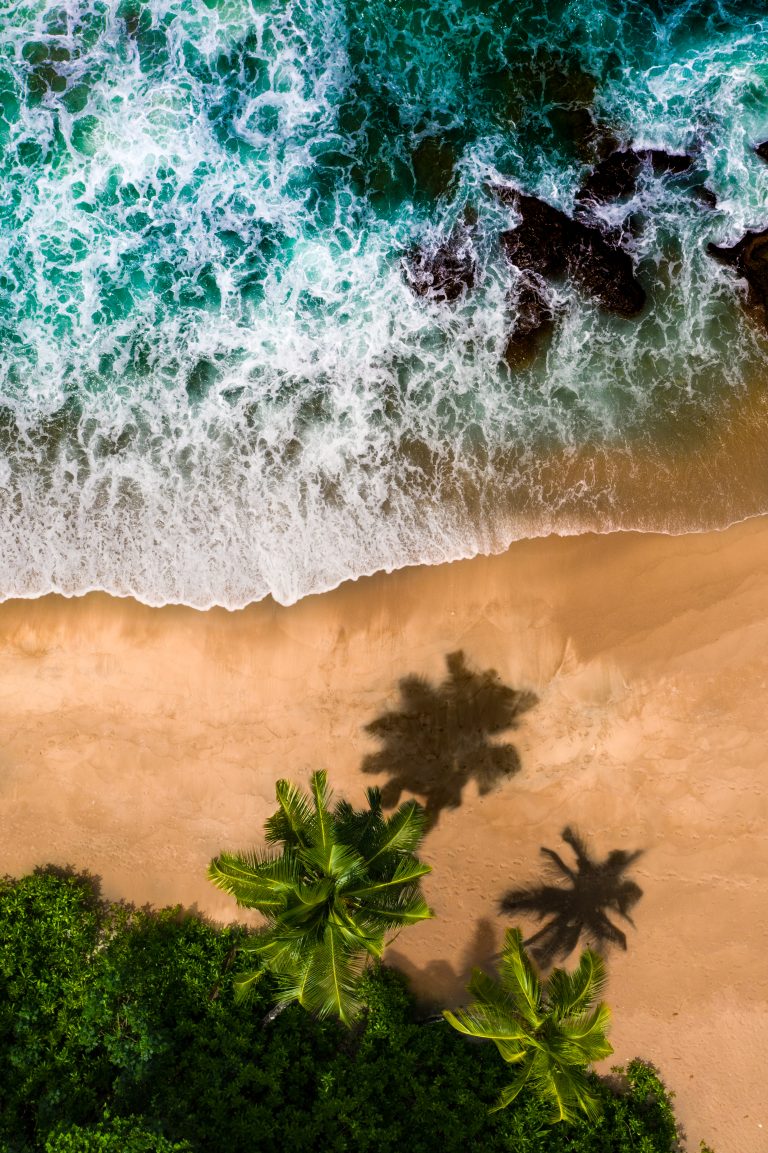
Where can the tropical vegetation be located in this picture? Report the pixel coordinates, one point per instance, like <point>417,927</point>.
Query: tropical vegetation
<point>119,1029</point>
<point>550,1031</point>
<point>343,882</point>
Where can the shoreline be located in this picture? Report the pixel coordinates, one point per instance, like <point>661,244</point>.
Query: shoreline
<point>141,741</point>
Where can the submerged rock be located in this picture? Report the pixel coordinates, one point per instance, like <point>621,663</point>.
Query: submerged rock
<point>548,243</point>
<point>705,196</point>
<point>576,127</point>
<point>540,242</point>
<point>762,150</point>
<point>615,177</point>
<point>662,162</point>
<point>434,160</point>
<point>749,257</point>
<point>612,179</point>
<point>534,319</point>
<point>445,273</point>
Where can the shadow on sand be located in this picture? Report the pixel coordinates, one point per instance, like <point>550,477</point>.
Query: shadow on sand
<point>440,983</point>
<point>439,739</point>
<point>577,905</point>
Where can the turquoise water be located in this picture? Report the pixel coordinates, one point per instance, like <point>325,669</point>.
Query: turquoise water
<point>215,383</point>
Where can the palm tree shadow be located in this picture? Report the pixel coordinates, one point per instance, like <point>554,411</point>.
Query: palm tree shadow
<point>440,738</point>
<point>577,905</point>
<point>440,982</point>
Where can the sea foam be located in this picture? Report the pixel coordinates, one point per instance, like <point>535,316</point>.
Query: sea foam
<point>215,382</point>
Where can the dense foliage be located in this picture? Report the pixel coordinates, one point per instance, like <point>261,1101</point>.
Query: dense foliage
<point>343,881</point>
<point>119,1029</point>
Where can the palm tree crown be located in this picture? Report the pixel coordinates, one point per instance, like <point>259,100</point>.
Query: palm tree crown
<point>551,1031</point>
<point>343,880</point>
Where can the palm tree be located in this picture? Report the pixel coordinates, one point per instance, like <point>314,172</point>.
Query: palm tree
<point>552,1032</point>
<point>343,881</point>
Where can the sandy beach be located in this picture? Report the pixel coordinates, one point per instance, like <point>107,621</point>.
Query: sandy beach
<point>139,742</point>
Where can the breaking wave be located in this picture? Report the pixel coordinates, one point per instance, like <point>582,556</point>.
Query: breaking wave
<point>215,381</point>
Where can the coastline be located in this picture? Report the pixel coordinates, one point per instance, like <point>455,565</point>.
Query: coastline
<point>139,742</point>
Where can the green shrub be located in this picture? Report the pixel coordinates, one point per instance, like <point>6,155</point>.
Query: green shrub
<point>108,1007</point>
<point>112,1135</point>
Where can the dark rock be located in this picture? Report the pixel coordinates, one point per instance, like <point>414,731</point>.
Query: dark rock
<point>613,178</point>
<point>534,318</point>
<point>605,273</point>
<point>539,243</point>
<point>575,127</point>
<point>749,257</point>
<point>616,176</point>
<point>762,150</point>
<point>663,162</point>
<point>563,78</point>
<point>548,243</point>
<point>705,196</point>
<point>445,273</point>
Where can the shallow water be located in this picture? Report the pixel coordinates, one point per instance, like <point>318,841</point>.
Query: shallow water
<point>215,382</point>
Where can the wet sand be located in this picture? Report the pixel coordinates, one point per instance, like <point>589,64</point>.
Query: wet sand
<point>139,742</point>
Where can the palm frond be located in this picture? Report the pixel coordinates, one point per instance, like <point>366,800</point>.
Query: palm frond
<point>361,933</point>
<point>245,983</point>
<point>403,912</point>
<point>322,821</point>
<point>359,828</point>
<point>584,1037</point>
<point>291,821</point>
<point>519,978</point>
<point>332,859</point>
<point>406,872</point>
<point>567,993</point>
<point>402,832</point>
<point>517,1084</point>
<point>489,991</point>
<point>487,1022</point>
<point>330,984</point>
<point>567,1090</point>
<point>307,906</point>
<point>255,882</point>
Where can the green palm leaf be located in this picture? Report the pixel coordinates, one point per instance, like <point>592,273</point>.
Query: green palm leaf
<point>402,832</point>
<point>519,977</point>
<point>255,882</point>
<point>342,881</point>
<point>586,1034</point>
<point>321,823</point>
<point>549,1033</point>
<point>290,823</point>
<point>520,1079</point>
<point>406,872</point>
<point>245,983</point>
<point>488,1023</point>
<point>332,859</point>
<point>570,992</point>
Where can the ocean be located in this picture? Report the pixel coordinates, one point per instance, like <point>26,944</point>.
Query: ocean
<point>217,381</point>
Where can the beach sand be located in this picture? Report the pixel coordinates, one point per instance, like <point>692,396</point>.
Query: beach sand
<point>139,742</point>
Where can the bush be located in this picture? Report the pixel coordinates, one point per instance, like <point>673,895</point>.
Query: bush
<point>113,1135</point>
<point>108,1007</point>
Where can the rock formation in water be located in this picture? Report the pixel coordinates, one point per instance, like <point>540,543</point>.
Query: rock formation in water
<point>534,319</point>
<point>615,177</point>
<point>762,150</point>
<point>705,196</point>
<point>749,257</point>
<point>444,273</point>
<point>549,244</point>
